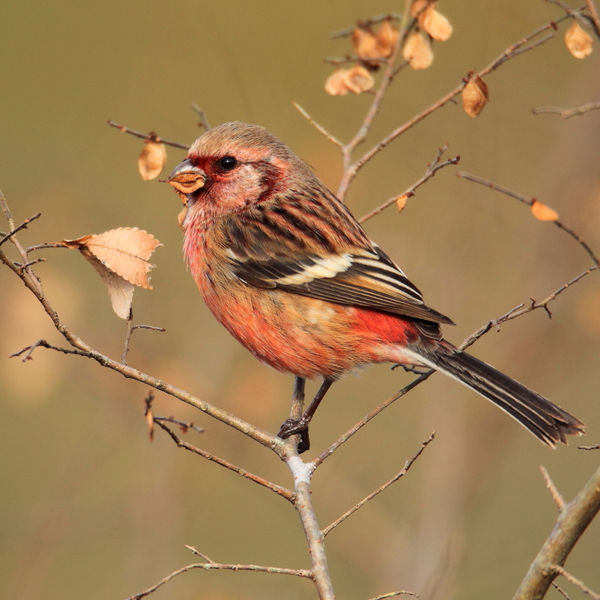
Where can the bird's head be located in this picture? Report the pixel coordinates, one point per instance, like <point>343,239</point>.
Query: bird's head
<point>234,166</point>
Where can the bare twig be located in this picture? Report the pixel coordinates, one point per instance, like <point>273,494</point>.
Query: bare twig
<point>596,447</point>
<point>183,425</point>
<point>593,16</point>
<point>567,113</point>
<point>202,115</point>
<point>23,225</point>
<point>530,202</point>
<point>147,136</point>
<point>346,436</point>
<point>570,525</point>
<point>281,491</point>
<point>316,125</point>
<point>577,582</point>
<point>351,170</point>
<point>560,591</point>
<point>432,169</point>
<point>556,496</point>
<point>44,344</point>
<point>397,593</point>
<point>401,473</point>
<point>373,21</point>
<point>211,565</point>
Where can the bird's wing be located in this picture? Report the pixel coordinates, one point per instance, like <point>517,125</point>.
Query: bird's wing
<point>290,251</point>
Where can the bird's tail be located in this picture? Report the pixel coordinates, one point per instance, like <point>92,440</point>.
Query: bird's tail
<point>548,422</point>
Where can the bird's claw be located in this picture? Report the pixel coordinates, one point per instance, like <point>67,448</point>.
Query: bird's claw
<point>296,426</point>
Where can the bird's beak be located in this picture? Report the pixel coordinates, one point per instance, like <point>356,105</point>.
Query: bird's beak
<point>186,179</point>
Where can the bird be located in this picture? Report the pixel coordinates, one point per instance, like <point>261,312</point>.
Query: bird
<point>285,267</point>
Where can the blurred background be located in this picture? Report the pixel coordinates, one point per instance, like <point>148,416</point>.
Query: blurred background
<point>88,507</point>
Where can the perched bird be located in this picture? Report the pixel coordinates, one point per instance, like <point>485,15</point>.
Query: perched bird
<point>289,272</point>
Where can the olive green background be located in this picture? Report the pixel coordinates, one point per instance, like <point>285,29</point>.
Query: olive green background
<point>88,507</point>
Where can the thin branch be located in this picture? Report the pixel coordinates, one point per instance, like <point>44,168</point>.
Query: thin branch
<point>596,447</point>
<point>183,425</point>
<point>346,436</point>
<point>556,495</point>
<point>567,113</point>
<point>594,18</point>
<point>147,136</point>
<point>577,582</point>
<point>202,115</point>
<point>23,225</point>
<point>279,490</point>
<point>521,309</point>
<point>316,125</point>
<point>44,344</point>
<point>530,202</point>
<point>560,591</point>
<point>210,565</point>
<point>350,171</point>
<point>570,525</point>
<point>302,501</point>
<point>397,593</point>
<point>400,474</point>
<point>373,21</point>
<point>432,169</point>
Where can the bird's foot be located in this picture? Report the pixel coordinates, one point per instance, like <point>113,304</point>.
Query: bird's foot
<point>411,369</point>
<point>293,427</point>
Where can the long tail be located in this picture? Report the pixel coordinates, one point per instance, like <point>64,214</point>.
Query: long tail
<point>548,422</point>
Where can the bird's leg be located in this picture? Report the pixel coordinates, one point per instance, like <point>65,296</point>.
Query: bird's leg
<point>295,426</point>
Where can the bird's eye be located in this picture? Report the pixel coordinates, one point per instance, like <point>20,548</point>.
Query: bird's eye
<point>228,163</point>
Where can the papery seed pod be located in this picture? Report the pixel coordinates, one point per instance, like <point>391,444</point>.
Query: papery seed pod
<point>358,79</point>
<point>336,84</point>
<point>387,38</point>
<point>417,6</point>
<point>475,95</point>
<point>578,42</point>
<point>152,160</point>
<point>435,24</point>
<point>417,51</point>
<point>366,46</point>
<point>543,212</point>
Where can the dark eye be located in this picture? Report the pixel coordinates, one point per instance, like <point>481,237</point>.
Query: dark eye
<point>228,163</point>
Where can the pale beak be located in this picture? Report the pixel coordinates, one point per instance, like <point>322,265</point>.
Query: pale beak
<point>186,178</point>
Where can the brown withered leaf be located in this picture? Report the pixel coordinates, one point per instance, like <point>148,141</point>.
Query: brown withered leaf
<point>387,38</point>
<point>336,84</point>
<point>543,212</point>
<point>475,95</point>
<point>358,79</point>
<point>435,24</point>
<point>125,251</point>
<point>417,51</point>
<point>121,258</point>
<point>578,42</point>
<point>152,160</point>
<point>401,202</point>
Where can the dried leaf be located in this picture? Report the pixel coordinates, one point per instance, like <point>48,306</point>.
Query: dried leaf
<point>387,38</point>
<point>150,423</point>
<point>152,160</point>
<point>475,95</point>
<point>336,84</point>
<point>401,202</point>
<point>435,24</point>
<point>365,45</point>
<point>542,212</point>
<point>124,251</point>
<point>119,290</point>
<point>417,51</point>
<point>578,42</point>
<point>358,79</point>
